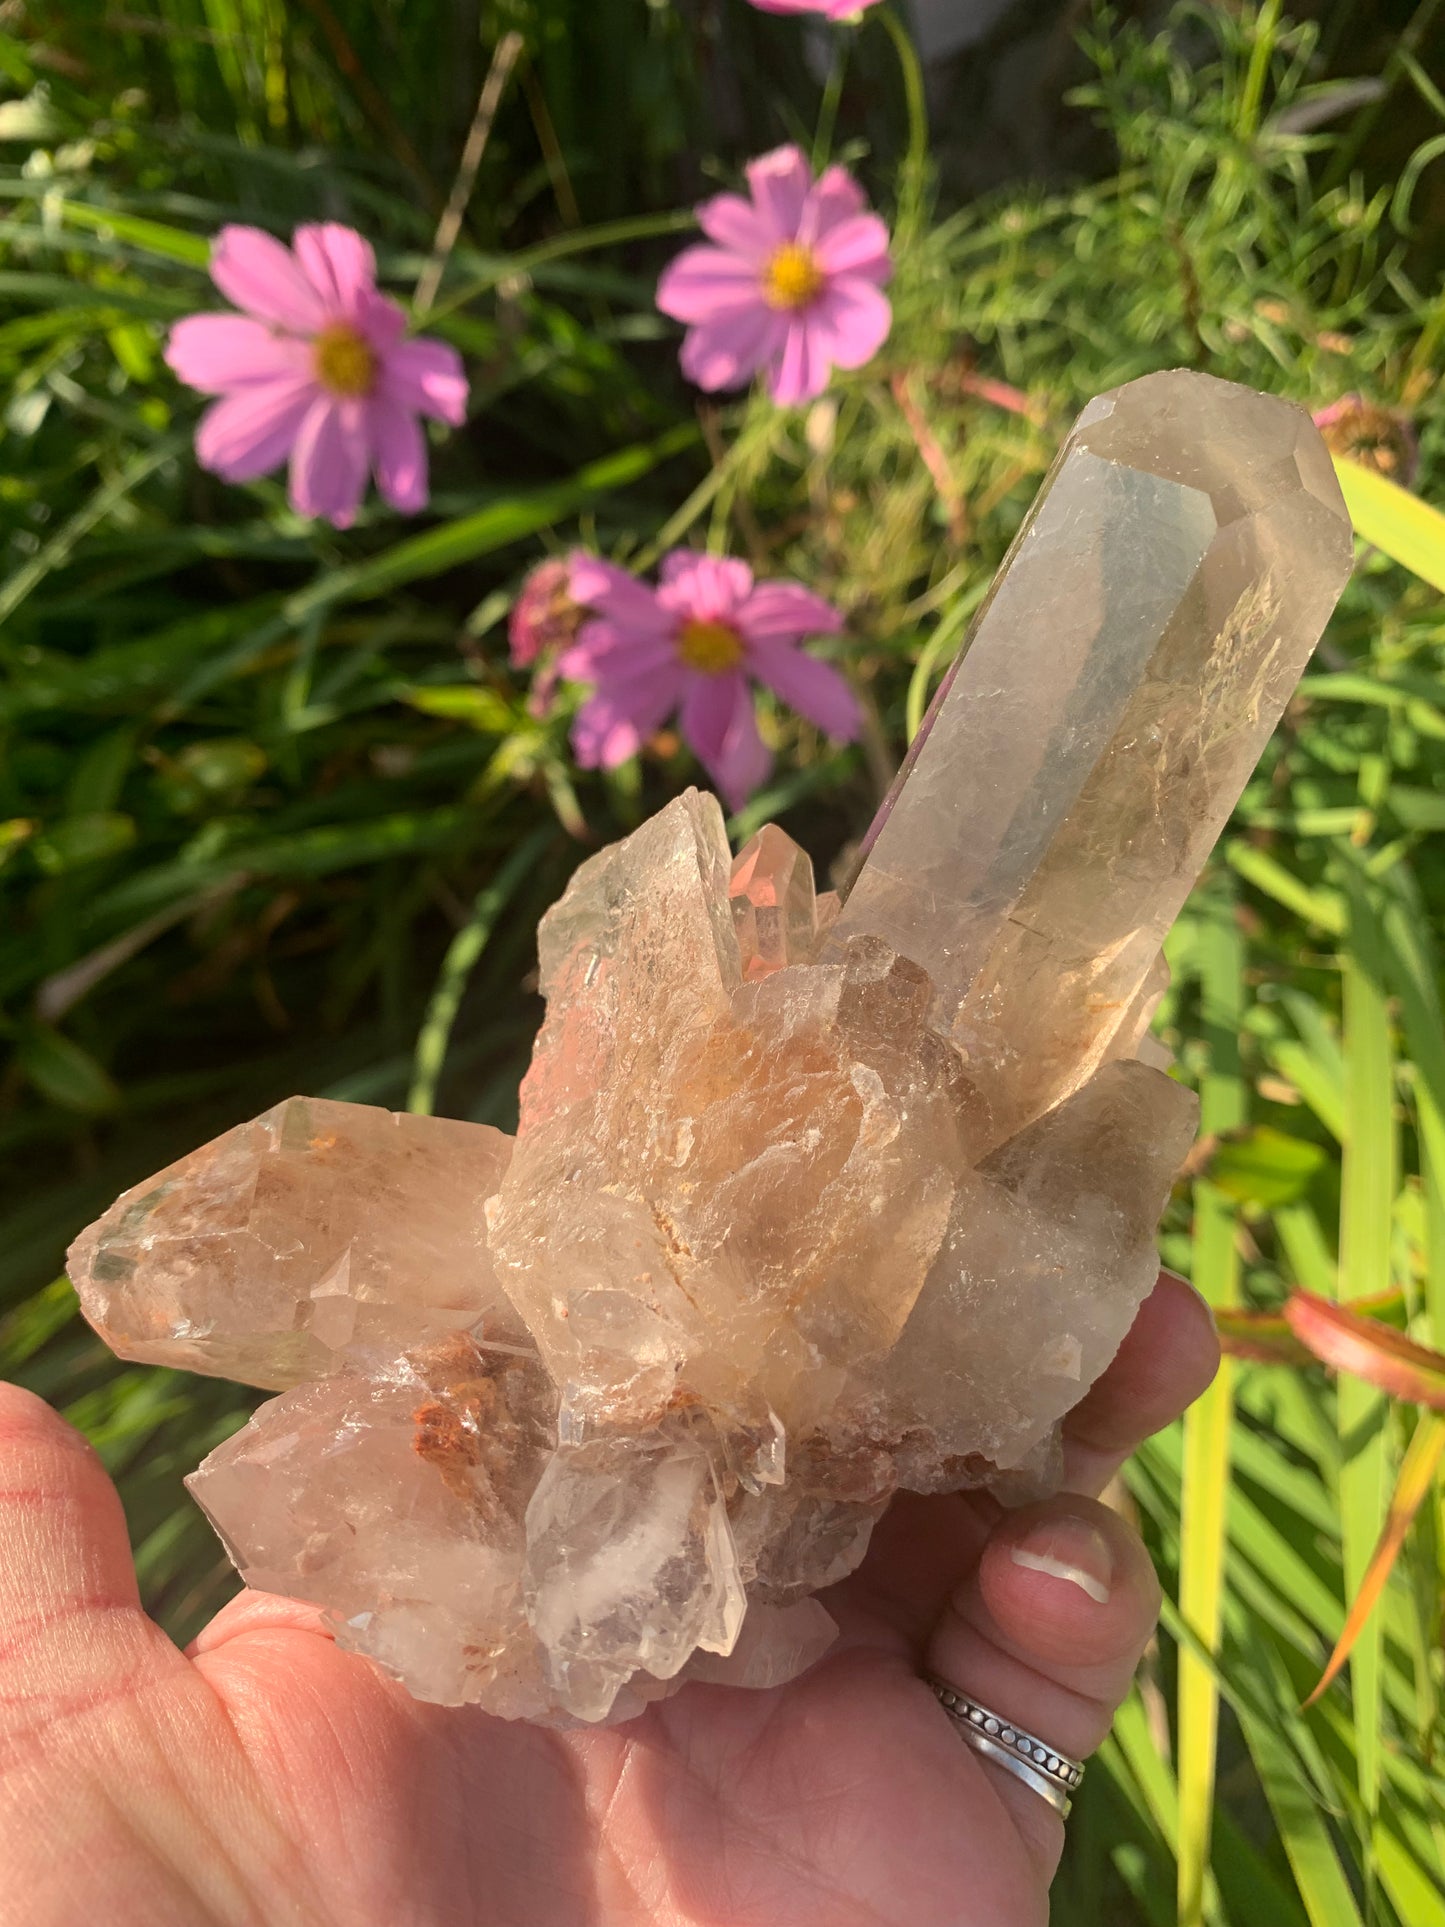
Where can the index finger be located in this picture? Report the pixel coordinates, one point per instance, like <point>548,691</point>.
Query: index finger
<point>1169,1356</point>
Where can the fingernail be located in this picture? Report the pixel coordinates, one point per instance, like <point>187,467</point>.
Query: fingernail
<point>1189,1285</point>
<point>1069,1549</point>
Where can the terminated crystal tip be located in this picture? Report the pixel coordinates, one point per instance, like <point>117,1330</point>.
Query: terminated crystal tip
<point>803,1206</point>
<point>1141,640</point>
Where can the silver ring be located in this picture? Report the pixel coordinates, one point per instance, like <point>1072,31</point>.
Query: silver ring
<point>1041,1767</point>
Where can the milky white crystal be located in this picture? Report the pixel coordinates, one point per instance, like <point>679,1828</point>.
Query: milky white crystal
<point>806,1203</point>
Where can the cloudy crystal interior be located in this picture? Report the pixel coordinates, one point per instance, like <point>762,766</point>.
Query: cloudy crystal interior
<point>808,1202</point>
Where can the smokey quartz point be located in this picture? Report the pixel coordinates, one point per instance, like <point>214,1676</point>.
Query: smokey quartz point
<point>808,1202</point>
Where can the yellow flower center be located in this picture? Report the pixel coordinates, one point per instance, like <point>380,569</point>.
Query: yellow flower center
<point>792,277</point>
<point>344,362</point>
<point>712,647</point>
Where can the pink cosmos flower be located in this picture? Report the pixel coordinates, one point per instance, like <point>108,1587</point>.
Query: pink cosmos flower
<point>544,622</point>
<point>692,645</point>
<point>834,9</point>
<point>792,282</point>
<point>317,368</point>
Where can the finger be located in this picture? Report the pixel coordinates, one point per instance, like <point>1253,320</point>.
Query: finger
<point>1169,1356</point>
<point>1048,1631</point>
<point>258,1612</point>
<point>66,1572</point>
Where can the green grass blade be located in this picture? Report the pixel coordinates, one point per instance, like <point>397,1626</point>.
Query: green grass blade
<point>457,966</point>
<point>1368,1181</point>
<point>1204,1495</point>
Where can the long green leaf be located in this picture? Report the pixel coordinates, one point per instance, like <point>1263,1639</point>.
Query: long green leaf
<point>1205,1486</point>
<point>1409,531</point>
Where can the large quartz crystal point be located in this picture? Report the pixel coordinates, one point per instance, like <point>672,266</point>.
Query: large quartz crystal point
<point>1138,646</point>
<point>268,1253</point>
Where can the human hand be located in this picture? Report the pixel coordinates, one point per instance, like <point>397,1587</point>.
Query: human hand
<point>266,1779</point>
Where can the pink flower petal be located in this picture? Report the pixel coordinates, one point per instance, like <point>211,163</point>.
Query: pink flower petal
<point>218,352</point>
<point>830,9</point>
<point>398,455</point>
<point>257,272</point>
<point>603,651</point>
<point>614,723</point>
<point>705,282</point>
<point>727,351</point>
<point>427,376</point>
<point>858,246</point>
<point>382,321</point>
<point>250,431</point>
<point>780,184</point>
<point>703,588</point>
<point>850,321</point>
<point>339,264</point>
<point>800,372</point>
<point>330,460</point>
<point>834,198</point>
<point>815,689</point>
<point>620,597</point>
<point>734,223</point>
<point>719,721</point>
<point>785,612</point>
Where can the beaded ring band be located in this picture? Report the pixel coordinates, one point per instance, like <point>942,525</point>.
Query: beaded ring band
<point>1041,1767</point>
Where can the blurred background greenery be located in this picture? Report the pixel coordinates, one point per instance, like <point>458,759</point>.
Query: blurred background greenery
<point>260,782</point>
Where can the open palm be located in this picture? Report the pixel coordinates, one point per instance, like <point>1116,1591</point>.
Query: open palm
<point>267,1779</point>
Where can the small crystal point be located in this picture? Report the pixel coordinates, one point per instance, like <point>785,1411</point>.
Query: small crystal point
<point>1135,652</point>
<point>775,912</point>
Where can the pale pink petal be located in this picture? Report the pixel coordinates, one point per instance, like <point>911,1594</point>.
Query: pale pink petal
<point>815,689</point>
<point>786,612</point>
<point>260,274</point>
<point>614,723</point>
<point>382,321</point>
<point>705,282</point>
<point>218,352</point>
<point>619,596</point>
<point>250,431</point>
<point>830,9</point>
<point>834,198</point>
<point>736,224</point>
<point>426,376</point>
<point>780,183</point>
<point>330,460</point>
<point>603,651</point>
<point>859,246</point>
<point>398,455</point>
<point>850,322</point>
<point>800,372</point>
<point>727,351</point>
<point>339,264</point>
<point>719,721</point>
<point>703,588</point>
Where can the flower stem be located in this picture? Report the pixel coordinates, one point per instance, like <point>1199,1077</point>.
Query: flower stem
<point>914,172</point>
<point>607,234</point>
<point>832,95</point>
<point>724,467</point>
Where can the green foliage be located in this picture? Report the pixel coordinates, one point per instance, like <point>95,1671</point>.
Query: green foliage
<point>275,814</point>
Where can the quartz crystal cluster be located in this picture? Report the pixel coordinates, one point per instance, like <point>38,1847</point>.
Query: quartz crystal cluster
<point>808,1201</point>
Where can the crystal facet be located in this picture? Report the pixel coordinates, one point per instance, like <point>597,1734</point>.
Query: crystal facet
<point>807,1203</point>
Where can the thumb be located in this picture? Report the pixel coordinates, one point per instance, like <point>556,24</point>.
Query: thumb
<point>66,1572</point>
